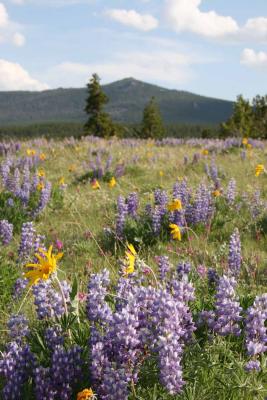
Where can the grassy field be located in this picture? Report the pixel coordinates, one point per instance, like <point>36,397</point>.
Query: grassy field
<point>213,365</point>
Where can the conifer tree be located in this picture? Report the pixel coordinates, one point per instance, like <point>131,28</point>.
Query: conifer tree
<point>152,125</point>
<point>99,122</point>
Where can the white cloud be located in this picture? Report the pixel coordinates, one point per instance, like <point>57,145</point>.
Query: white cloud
<point>14,77</point>
<point>185,15</point>
<point>8,29</point>
<point>133,19</point>
<point>167,67</point>
<point>251,58</point>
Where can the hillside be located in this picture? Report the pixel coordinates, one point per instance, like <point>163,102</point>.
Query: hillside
<point>127,100</point>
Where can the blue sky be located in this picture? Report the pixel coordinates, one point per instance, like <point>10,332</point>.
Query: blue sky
<point>212,47</point>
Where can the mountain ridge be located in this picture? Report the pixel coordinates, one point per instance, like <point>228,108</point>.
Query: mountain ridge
<point>127,97</point>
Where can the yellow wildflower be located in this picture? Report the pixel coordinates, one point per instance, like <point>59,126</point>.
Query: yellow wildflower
<point>42,157</point>
<point>245,141</point>
<point>86,394</point>
<point>72,168</point>
<point>40,186</point>
<point>61,181</point>
<point>216,193</point>
<point>41,173</point>
<point>30,152</point>
<point>205,152</point>
<point>175,205</point>
<point>175,232</point>
<point>161,173</point>
<point>259,169</point>
<point>95,184</point>
<point>47,265</point>
<point>249,146</point>
<point>112,182</point>
<point>130,255</point>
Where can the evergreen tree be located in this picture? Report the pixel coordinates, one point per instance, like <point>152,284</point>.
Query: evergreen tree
<point>152,125</point>
<point>99,122</point>
<point>241,122</point>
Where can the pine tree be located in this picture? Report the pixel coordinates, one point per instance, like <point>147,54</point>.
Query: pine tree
<point>152,125</point>
<point>99,122</point>
<point>241,122</point>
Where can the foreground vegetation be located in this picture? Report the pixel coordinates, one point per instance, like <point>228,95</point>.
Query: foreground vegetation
<point>154,287</point>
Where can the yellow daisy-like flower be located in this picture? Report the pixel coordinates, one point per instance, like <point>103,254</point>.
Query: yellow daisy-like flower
<point>61,181</point>
<point>42,157</point>
<point>205,152</point>
<point>245,141</point>
<point>259,169</point>
<point>30,152</point>
<point>175,232</point>
<point>95,184</point>
<point>41,173</point>
<point>175,205</point>
<point>112,182</point>
<point>40,186</point>
<point>130,255</point>
<point>216,193</point>
<point>86,394</point>
<point>47,265</point>
<point>72,168</point>
<point>161,173</point>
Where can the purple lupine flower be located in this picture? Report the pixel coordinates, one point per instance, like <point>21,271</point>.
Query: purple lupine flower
<point>234,258</point>
<point>227,308</point>
<point>255,329</point>
<point>163,266</point>
<point>16,365</point>
<point>44,199</point>
<point>132,204</point>
<point>213,277</point>
<point>18,326</point>
<point>231,192</point>
<point>253,365</point>
<point>6,232</point>
<point>166,315</point>
<point>28,233</point>
<point>49,302</point>
<point>19,287</point>
<point>156,220</point>
<point>122,210</point>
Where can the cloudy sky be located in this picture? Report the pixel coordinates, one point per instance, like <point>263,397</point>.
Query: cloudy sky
<point>213,47</point>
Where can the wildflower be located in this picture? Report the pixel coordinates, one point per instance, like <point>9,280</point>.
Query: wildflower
<point>72,168</point>
<point>175,205</point>
<point>61,181</point>
<point>86,394</point>
<point>130,255</point>
<point>40,186</point>
<point>30,152</point>
<point>112,182</point>
<point>46,266</point>
<point>245,141</point>
<point>205,152</point>
<point>216,193</point>
<point>259,169</point>
<point>161,173</point>
<point>95,184</point>
<point>42,157</point>
<point>59,244</point>
<point>249,146</point>
<point>175,232</point>
<point>41,173</point>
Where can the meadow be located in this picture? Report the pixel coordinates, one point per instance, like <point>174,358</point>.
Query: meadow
<point>155,287</point>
